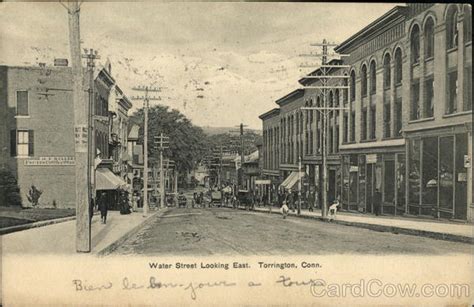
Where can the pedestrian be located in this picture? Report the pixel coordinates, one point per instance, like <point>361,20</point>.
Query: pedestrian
<point>291,200</point>
<point>333,209</point>
<point>284,209</point>
<point>311,200</point>
<point>91,208</point>
<point>102,203</point>
<point>377,201</point>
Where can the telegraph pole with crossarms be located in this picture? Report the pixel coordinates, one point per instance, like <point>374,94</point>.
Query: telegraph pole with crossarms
<point>325,109</point>
<point>162,143</point>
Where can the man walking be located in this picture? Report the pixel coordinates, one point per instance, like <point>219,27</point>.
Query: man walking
<point>103,208</point>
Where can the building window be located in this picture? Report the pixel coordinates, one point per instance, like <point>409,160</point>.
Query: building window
<point>452,27</point>
<point>373,122</point>
<point>353,85</point>
<point>429,97</point>
<point>363,124</point>
<point>353,120</point>
<point>415,44</point>
<point>415,97</point>
<point>386,72</point>
<point>398,117</point>
<point>21,143</point>
<point>386,120</point>
<point>22,103</point>
<point>467,24</point>
<point>429,38</point>
<point>398,66</point>
<point>373,78</point>
<point>346,128</point>
<point>336,98</point>
<point>452,92</point>
<point>468,88</point>
<point>363,80</point>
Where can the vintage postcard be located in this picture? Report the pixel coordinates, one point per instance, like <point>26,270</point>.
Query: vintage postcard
<point>236,154</point>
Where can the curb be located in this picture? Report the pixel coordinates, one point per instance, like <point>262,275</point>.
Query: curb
<point>7,230</point>
<point>384,228</point>
<point>114,245</point>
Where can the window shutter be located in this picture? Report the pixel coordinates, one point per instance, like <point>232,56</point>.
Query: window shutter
<point>31,143</point>
<point>13,143</point>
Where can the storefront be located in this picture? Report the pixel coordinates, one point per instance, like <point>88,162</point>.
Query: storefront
<point>438,175</point>
<point>365,173</point>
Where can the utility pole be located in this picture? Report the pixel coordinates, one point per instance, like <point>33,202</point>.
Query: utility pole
<point>146,99</point>
<point>81,133</point>
<point>242,153</point>
<point>325,110</point>
<point>163,143</point>
<point>91,55</point>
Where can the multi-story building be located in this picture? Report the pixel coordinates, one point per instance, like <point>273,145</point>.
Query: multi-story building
<point>407,127</point>
<point>271,146</point>
<point>37,131</point>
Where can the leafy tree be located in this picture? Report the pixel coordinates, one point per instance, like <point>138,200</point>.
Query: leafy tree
<point>187,143</point>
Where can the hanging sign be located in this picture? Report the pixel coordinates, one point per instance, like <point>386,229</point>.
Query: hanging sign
<point>467,161</point>
<point>353,169</point>
<point>371,158</point>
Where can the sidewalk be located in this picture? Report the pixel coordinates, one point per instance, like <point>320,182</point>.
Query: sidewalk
<point>442,230</point>
<point>60,238</point>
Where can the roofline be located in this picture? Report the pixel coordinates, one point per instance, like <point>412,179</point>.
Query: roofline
<point>274,111</point>
<point>303,81</point>
<point>289,96</point>
<point>391,13</point>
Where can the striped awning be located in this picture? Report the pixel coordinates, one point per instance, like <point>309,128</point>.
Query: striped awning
<point>106,180</point>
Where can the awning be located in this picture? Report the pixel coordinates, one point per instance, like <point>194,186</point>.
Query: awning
<point>292,179</point>
<point>106,180</point>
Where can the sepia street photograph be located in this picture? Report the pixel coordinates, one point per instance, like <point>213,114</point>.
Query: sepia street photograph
<point>319,151</point>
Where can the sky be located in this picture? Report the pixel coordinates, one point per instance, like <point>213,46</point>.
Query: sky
<point>220,64</point>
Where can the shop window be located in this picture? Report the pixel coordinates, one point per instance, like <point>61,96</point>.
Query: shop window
<point>429,97</point>
<point>452,27</point>
<point>467,24</point>
<point>386,72</point>
<point>429,174</point>
<point>429,38</point>
<point>345,180</point>
<point>353,85</point>
<point>373,78</point>
<point>389,182</point>
<point>363,126</point>
<point>414,174</point>
<point>460,178</point>
<point>467,88</point>
<point>363,81</point>
<point>22,103</point>
<point>446,172</point>
<point>353,182</point>
<point>373,122</point>
<point>415,104</point>
<point>398,67</point>
<point>415,45</point>
<point>386,120</point>
<point>452,92</point>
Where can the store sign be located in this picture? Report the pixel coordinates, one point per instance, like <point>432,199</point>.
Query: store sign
<point>467,161</point>
<point>50,161</point>
<point>262,182</point>
<point>354,168</point>
<point>371,159</point>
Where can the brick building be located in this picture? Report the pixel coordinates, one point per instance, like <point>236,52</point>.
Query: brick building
<point>37,131</point>
<point>408,128</point>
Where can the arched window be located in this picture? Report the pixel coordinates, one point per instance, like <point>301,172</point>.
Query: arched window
<point>467,24</point>
<point>353,85</point>
<point>398,66</point>
<point>363,80</point>
<point>452,27</point>
<point>429,38</point>
<point>386,71</point>
<point>373,78</point>
<point>331,98</point>
<point>415,44</point>
<point>336,96</point>
<point>318,102</point>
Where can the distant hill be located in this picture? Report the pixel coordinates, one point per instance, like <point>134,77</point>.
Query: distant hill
<point>220,130</point>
